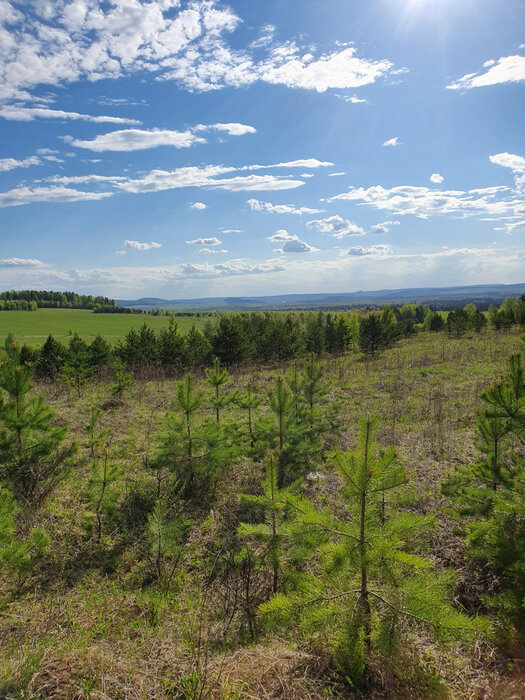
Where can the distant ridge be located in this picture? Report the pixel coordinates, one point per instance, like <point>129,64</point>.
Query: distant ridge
<point>439,297</point>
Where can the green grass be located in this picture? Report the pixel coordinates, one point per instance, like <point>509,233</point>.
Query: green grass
<point>33,327</point>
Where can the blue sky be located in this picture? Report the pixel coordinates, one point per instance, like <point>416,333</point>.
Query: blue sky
<point>191,149</point>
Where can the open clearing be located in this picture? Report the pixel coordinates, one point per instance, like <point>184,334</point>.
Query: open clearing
<point>33,327</point>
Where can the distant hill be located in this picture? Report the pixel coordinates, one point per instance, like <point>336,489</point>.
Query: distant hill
<point>481,295</point>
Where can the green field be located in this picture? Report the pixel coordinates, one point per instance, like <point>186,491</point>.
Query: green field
<point>33,327</point>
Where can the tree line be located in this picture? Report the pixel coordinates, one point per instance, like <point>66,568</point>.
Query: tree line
<point>257,338</point>
<point>30,300</point>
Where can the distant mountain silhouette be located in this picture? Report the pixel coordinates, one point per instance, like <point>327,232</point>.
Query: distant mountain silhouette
<point>440,297</point>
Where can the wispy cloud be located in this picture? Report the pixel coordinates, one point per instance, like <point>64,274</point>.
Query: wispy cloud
<point>11,163</point>
<point>205,241</point>
<point>20,262</point>
<point>211,176</point>
<point>358,251</point>
<point>135,245</point>
<point>392,142</point>
<point>300,163</point>
<point>137,140</point>
<point>257,205</point>
<point>353,99</point>
<point>383,227</point>
<point>425,202</point>
<point>27,195</point>
<point>508,69</point>
<point>29,114</point>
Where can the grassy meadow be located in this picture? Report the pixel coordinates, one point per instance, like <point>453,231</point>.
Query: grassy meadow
<point>33,327</point>
<point>88,629</point>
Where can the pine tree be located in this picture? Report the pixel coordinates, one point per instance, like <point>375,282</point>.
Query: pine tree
<point>371,338</point>
<point>103,491</point>
<point>20,557</point>
<point>474,487</point>
<point>195,454</point>
<point>172,350</point>
<point>51,359</point>
<point>249,402</point>
<point>311,385</point>
<point>217,377</point>
<point>77,369</point>
<point>369,584</point>
<point>167,532</point>
<point>492,493</point>
<point>33,456</point>
<point>95,437</point>
<point>188,400</point>
<point>123,382</point>
<point>274,529</point>
<point>198,348</point>
<point>280,404</point>
<point>100,353</point>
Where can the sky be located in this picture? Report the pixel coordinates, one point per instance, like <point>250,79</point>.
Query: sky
<point>194,149</point>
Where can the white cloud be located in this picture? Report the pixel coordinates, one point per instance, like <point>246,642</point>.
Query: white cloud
<point>211,251</point>
<point>121,102</point>
<point>353,99</point>
<point>232,230</point>
<point>11,163</point>
<point>135,245</point>
<point>336,226</point>
<point>257,205</point>
<point>27,195</point>
<point>206,176</point>
<point>336,174</point>
<point>509,160</point>
<point>424,202</point>
<point>200,206</point>
<point>84,179</point>
<point>507,69</point>
<point>437,178</point>
<point>255,183</point>
<point>282,235</point>
<point>297,246</point>
<point>358,251</point>
<point>383,227</point>
<point>138,139</point>
<point>205,241</point>
<point>300,163</point>
<point>20,262</point>
<point>509,227</point>
<point>291,243</point>
<point>28,114</point>
<point>69,40</point>
<point>234,129</point>
<point>339,69</point>
<point>392,142</point>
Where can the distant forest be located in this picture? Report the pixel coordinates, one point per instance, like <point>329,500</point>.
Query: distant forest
<point>30,300</point>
